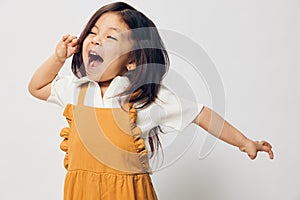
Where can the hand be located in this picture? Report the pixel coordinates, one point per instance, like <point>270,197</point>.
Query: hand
<point>66,47</point>
<point>252,147</point>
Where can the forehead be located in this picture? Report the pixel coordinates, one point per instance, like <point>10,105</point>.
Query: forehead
<point>111,21</point>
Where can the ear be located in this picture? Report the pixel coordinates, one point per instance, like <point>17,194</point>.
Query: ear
<point>131,66</point>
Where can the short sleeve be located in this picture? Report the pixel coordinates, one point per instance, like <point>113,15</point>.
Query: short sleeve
<point>176,112</point>
<point>60,87</point>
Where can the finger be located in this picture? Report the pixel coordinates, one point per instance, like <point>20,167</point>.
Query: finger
<point>70,38</point>
<point>271,154</point>
<point>265,143</point>
<point>268,150</point>
<point>75,48</point>
<point>64,37</point>
<point>74,42</point>
<point>263,148</point>
<point>262,145</point>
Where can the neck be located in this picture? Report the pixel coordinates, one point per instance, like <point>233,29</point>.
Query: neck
<point>105,83</point>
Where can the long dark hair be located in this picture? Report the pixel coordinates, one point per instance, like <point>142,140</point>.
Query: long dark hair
<point>149,54</point>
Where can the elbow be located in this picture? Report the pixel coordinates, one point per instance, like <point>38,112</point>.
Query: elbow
<point>39,88</point>
<point>203,118</point>
<point>36,92</point>
<point>31,89</point>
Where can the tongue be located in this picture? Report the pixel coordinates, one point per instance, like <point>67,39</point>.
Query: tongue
<point>95,60</point>
<point>95,63</point>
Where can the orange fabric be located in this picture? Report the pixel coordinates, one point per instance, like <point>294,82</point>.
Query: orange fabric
<point>105,157</point>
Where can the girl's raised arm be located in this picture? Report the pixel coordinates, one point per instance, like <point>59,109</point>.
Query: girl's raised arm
<point>211,122</point>
<point>40,83</point>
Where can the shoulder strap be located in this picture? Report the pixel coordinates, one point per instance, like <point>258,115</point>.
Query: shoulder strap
<point>82,92</point>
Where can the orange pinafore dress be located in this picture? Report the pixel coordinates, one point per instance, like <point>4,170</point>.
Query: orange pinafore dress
<point>106,159</point>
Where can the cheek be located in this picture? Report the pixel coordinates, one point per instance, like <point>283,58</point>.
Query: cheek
<point>117,53</point>
<point>119,63</point>
<point>84,49</point>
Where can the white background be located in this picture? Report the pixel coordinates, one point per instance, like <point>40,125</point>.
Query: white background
<point>255,46</point>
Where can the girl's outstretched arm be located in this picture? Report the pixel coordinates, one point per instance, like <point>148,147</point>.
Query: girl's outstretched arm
<point>220,128</point>
<point>40,83</point>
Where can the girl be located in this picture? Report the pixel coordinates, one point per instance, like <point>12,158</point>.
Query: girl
<point>118,64</point>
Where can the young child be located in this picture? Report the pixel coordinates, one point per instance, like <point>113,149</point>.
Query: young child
<point>107,104</point>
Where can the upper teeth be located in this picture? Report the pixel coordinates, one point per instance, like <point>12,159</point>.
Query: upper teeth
<point>93,53</point>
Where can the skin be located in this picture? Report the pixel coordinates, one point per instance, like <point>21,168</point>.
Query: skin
<point>213,123</point>
<point>111,45</point>
<point>116,62</point>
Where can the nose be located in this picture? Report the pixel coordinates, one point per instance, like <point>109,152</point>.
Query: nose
<point>96,41</point>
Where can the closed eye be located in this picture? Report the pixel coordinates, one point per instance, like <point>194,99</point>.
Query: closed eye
<point>113,38</point>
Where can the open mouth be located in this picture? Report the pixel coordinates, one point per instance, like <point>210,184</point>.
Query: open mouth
<point>94,59</point>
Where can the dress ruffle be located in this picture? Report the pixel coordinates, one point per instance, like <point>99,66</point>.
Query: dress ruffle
<point>138,141</point>
<point>65,134</point>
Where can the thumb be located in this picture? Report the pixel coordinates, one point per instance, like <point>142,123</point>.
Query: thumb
<point>252,156</point>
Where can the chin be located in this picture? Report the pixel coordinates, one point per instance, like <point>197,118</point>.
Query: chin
<point>92,77</point>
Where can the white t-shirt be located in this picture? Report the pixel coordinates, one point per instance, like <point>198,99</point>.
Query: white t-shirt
<point>174,112</point>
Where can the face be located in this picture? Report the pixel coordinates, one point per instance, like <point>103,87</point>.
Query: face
<point>105,51</point>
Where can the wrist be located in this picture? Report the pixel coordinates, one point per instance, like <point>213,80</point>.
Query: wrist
<point>245,142</point>
<point>58,59</point>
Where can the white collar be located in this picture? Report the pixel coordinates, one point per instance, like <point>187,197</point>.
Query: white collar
<point>120,81</point>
